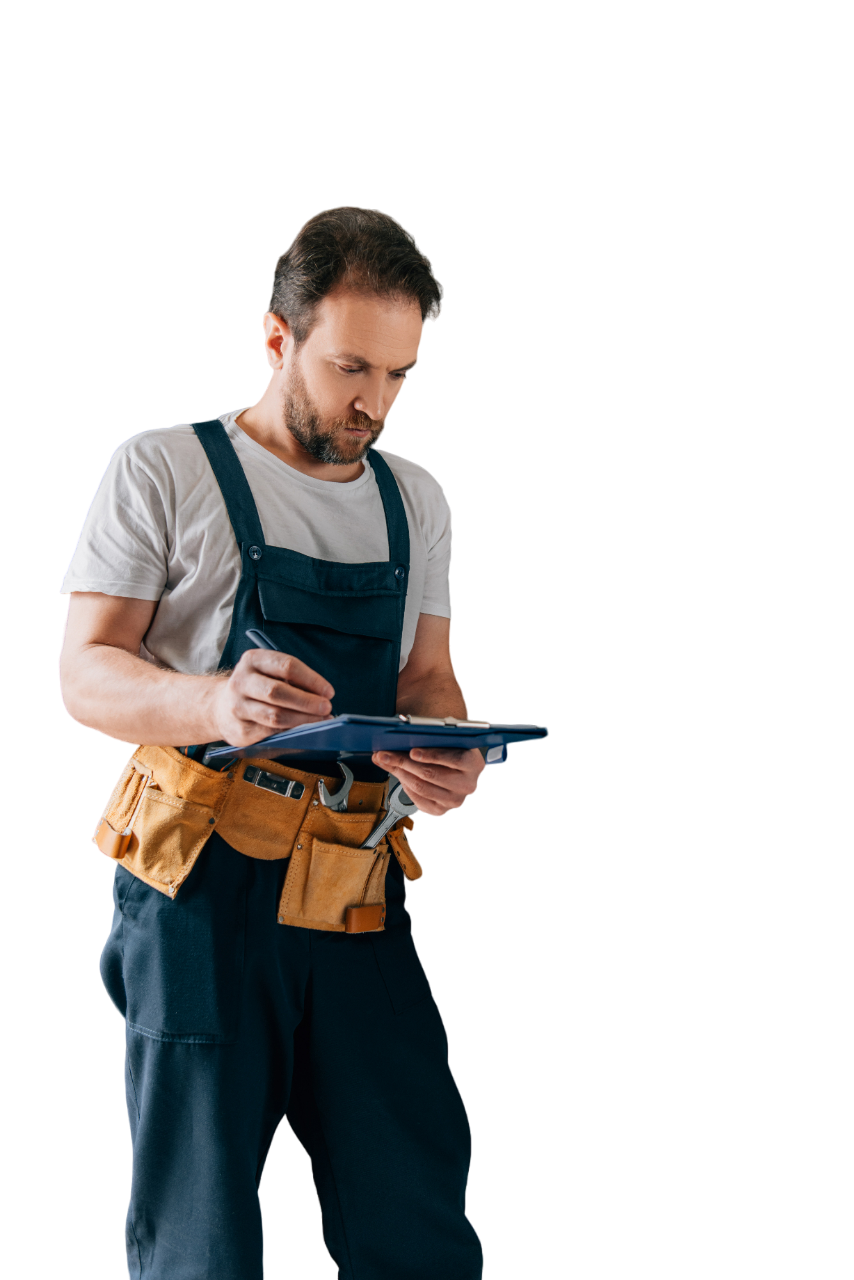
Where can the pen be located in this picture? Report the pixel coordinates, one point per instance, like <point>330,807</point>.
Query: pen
<point>260,640</point>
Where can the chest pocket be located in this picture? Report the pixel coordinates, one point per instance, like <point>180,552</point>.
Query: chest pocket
<point>374,616</point>
<point>356,637</point>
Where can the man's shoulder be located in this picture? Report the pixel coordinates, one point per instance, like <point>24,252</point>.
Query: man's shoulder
<point>161,445</point>
<point>416,480</point>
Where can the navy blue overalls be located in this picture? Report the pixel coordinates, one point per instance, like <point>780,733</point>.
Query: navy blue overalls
<point>336,1031</point>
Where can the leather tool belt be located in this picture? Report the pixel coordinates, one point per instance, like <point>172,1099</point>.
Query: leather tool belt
<point>166,806</point>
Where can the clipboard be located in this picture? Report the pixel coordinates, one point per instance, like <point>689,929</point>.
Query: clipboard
<point>352,735</point>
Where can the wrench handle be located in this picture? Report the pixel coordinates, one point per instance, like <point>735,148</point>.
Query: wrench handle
<point>379,831</point>
<point>399,806</point>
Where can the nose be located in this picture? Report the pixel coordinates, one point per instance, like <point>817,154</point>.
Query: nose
<point>372,399</point>
<point>372,405</point>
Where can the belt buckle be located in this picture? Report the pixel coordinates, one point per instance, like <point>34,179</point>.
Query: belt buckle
<point>287,787</point>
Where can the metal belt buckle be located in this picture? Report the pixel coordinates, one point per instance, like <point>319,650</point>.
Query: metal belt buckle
<point>272,782</point>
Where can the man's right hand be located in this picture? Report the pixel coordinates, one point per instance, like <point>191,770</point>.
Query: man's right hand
<point>266,693</point>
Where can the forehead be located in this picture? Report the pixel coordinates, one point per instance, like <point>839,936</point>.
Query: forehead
<point>383,331</point>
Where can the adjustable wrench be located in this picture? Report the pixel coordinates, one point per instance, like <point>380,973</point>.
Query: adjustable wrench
<point>398,805</point>
<point>337,802</point>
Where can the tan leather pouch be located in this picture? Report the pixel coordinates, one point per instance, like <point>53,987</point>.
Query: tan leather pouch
<point>159,817</point>
<point>165,807</point>
<point>330,876</point>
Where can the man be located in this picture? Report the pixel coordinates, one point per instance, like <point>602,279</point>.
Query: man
<point>246,997</point>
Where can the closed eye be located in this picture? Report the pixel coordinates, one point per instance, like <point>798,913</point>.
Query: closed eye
<point>402,376</point>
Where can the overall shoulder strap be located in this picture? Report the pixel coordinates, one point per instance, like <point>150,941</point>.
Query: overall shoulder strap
<point>231,479</point>
<point>395,512</point>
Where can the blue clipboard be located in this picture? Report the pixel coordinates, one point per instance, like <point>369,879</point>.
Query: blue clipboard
<point>345,736</point>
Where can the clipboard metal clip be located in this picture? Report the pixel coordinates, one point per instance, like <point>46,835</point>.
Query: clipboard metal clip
<point>446,720</point>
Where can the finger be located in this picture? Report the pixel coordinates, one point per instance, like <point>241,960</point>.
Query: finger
<point>271,718</point>
<point>403,765</point>
<point>450,757</point>
<point>263,688</point>
<point>418,788</point>
<point>400,764</point>
<point>390,760</point>
<point>284,666</point>
<point>307,707</point>
<point>251,732</point>
<point>432,800</point>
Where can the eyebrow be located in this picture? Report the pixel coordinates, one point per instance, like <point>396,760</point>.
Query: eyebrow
<point>348,358</point>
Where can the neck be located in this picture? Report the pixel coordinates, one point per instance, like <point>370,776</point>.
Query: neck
<point>264,423</point>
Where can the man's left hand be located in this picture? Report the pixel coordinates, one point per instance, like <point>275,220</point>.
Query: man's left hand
<point>436,778</point>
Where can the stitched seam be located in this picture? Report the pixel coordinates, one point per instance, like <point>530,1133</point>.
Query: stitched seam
<point>175,802</point>
<point>337,1194</point>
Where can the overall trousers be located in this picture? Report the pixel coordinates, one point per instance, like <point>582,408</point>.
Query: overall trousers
<point>235,1020</point>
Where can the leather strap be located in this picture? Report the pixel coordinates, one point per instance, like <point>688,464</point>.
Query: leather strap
<point>365,919</point>
<point>111,842</point>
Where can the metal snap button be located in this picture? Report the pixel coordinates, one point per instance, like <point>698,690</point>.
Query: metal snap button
<point>399,572</point>
<point>255,553</point>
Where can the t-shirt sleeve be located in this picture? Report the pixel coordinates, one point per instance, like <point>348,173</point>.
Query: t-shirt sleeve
<point>124,546</point>
<point>437,594</point>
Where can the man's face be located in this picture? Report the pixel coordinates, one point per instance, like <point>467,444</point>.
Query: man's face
<point>340,384</point>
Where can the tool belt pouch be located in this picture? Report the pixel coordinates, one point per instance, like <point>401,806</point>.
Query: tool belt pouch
<point>332,882</point>
<point>165,807</point>
<point>160,816</point>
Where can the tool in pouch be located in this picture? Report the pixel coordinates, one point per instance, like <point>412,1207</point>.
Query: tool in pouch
<point>272,782</point>
<point>111,841</point>
<point>399,806</point>
<point>338,800</point>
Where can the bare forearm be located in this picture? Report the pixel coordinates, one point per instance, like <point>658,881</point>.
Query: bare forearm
<point>128,698</point>
<point>433,694</point>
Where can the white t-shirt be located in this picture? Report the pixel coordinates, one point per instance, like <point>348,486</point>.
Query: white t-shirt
<point>158,530</point>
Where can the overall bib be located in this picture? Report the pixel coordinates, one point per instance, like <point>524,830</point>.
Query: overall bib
<point>235,1020</point>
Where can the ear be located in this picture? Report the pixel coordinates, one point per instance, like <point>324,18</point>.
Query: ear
<point>277,340</point>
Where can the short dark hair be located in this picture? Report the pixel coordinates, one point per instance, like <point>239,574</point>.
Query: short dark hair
<point>361,248</point>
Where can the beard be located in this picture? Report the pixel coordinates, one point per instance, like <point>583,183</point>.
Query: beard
<point>325,439</point>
